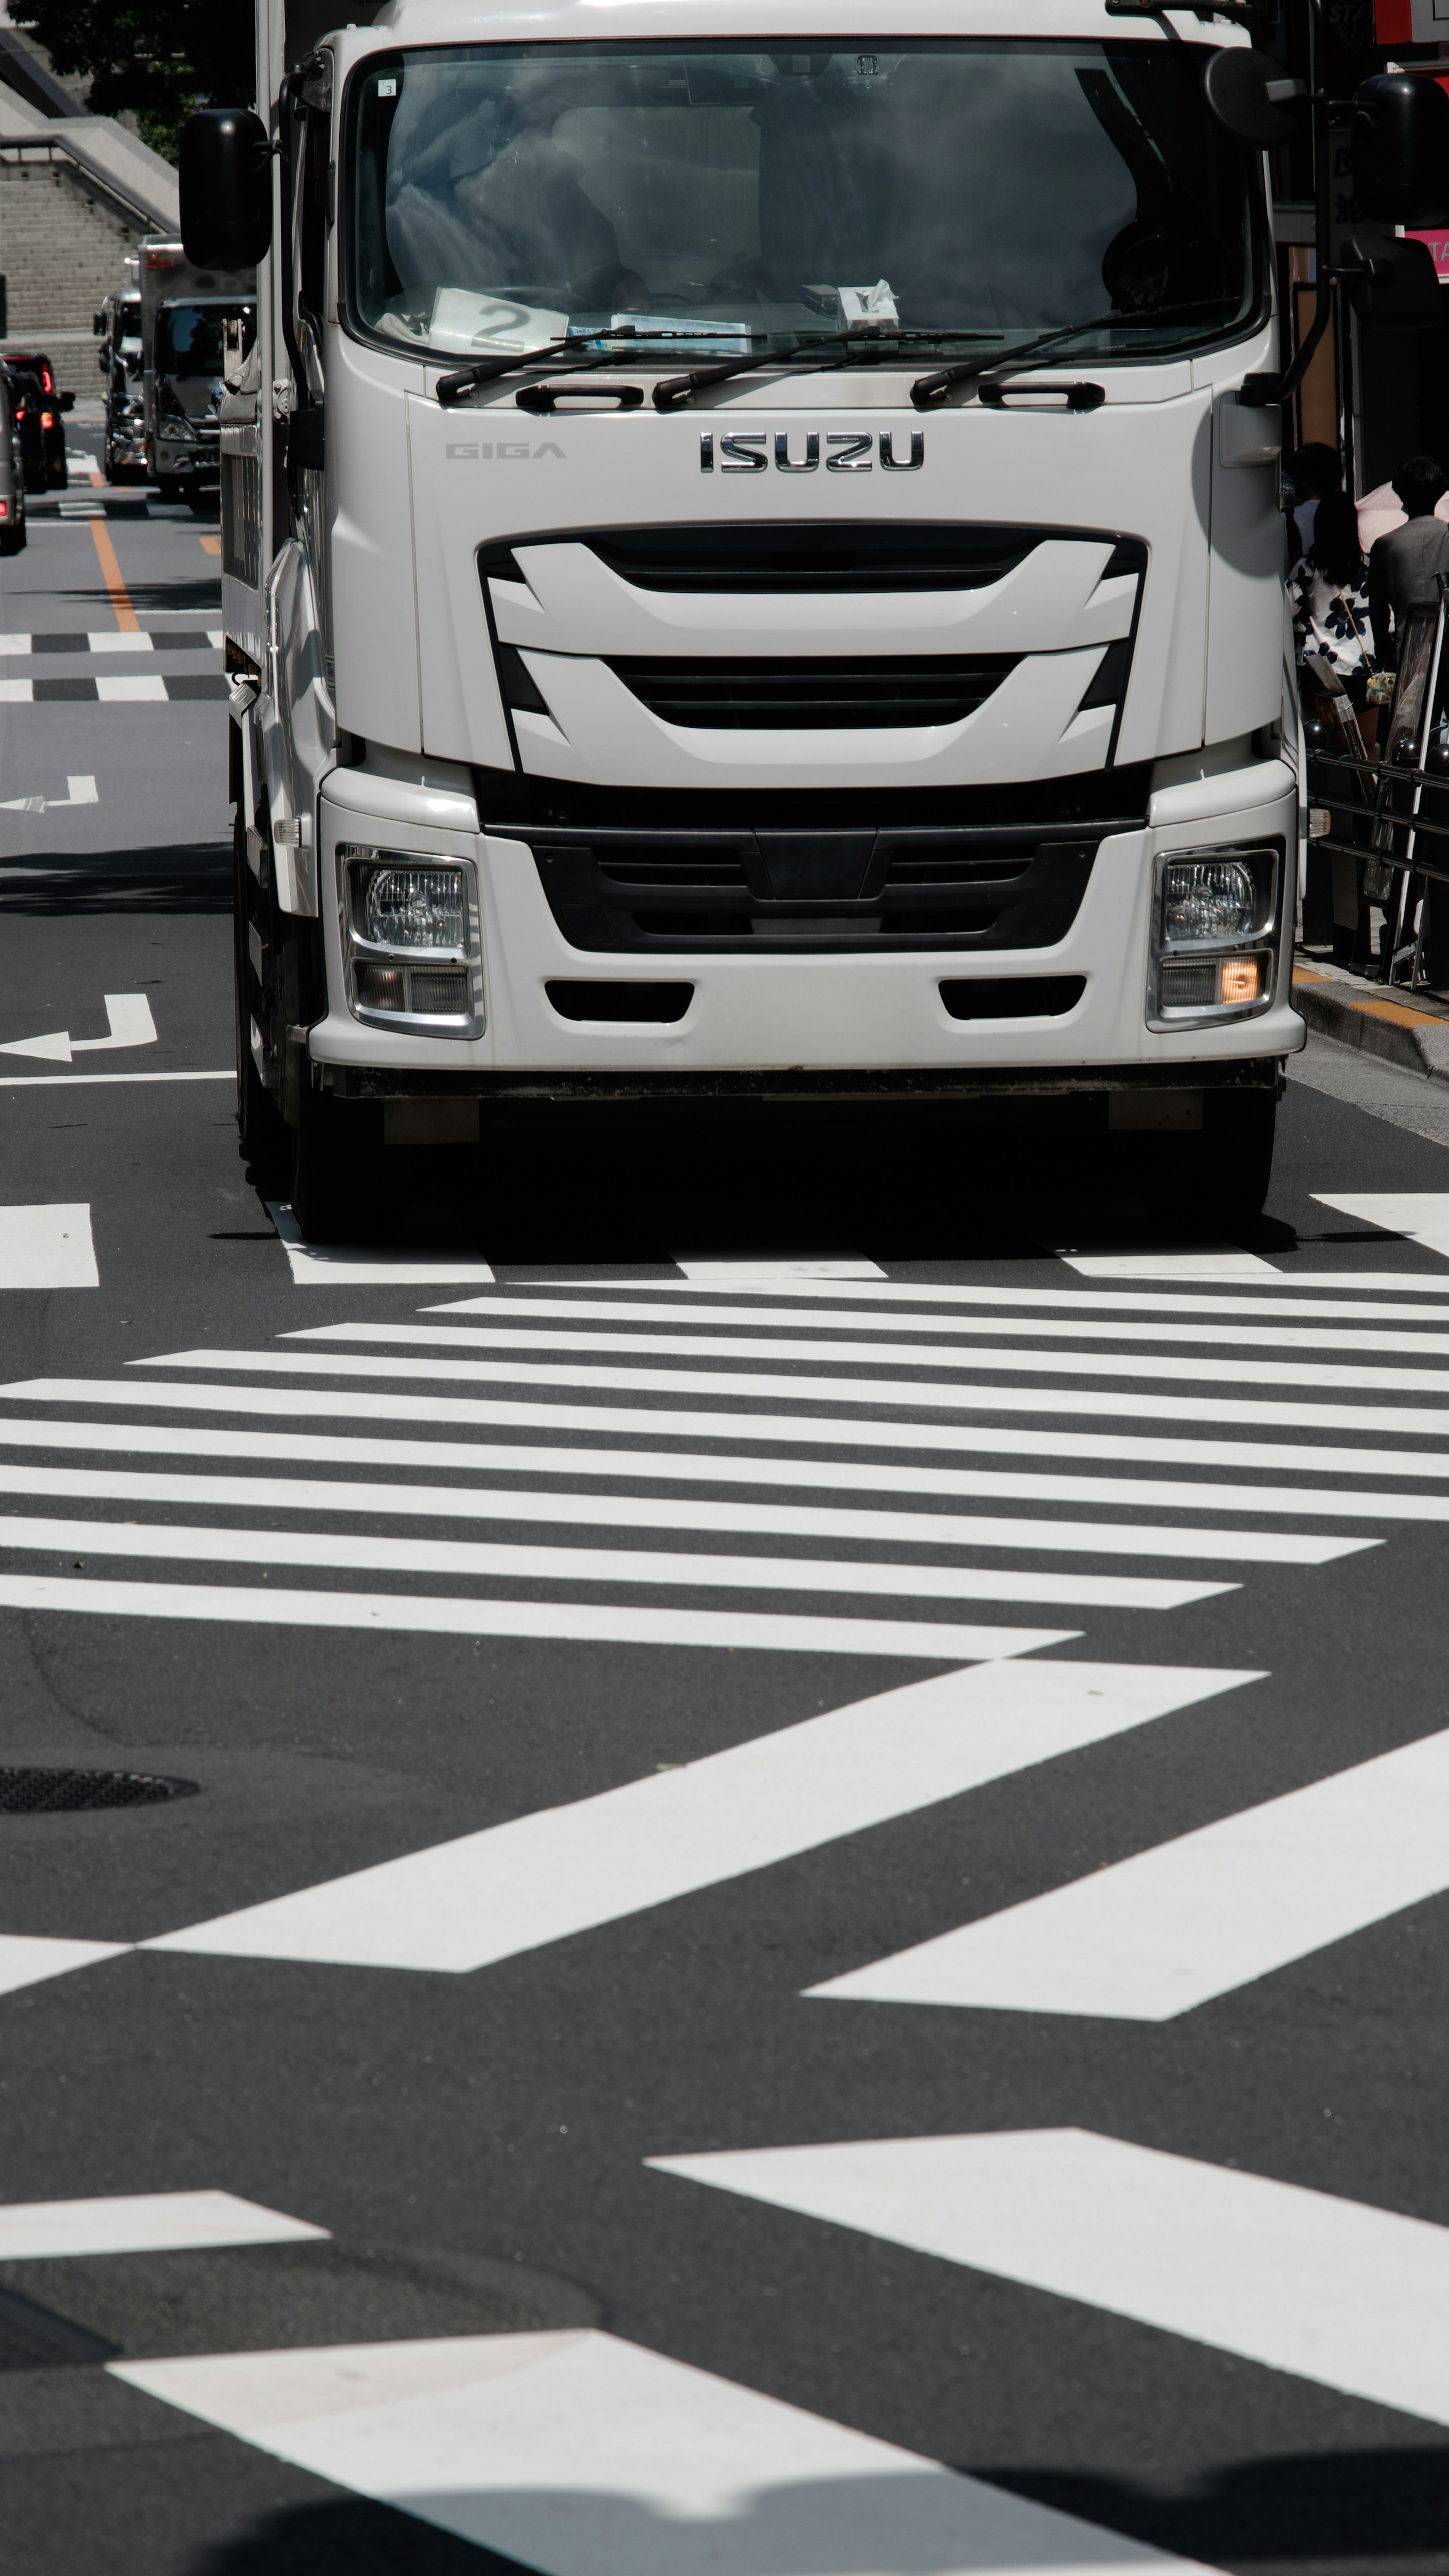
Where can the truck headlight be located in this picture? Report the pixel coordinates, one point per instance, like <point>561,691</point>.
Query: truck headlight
<point>1215,934</point>
<point>412,942</point>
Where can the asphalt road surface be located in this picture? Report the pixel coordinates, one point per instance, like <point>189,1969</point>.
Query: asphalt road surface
<point>788,1912</point>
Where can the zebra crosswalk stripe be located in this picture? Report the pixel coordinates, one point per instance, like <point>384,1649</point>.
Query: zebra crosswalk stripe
<point>576,2453</point>
<point>543,1877</point>
<point>1331,2290</point>
<point>1198,1917</point>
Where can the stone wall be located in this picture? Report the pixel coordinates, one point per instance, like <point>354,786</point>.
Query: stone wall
<point>62,247</point>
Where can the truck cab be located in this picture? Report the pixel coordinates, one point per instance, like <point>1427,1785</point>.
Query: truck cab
<point>753,580</point>
<point>184,313</point>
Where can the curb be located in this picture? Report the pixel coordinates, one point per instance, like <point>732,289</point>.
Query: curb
<point>1416,1041</point>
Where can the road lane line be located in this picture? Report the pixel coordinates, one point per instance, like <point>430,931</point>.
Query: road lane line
<point>1329,2290</point>
<point>487,1896</point>
<point>577,2454</point>
<point>120,598</point>
<point>634,1308</point>
<point>1198,1917</point>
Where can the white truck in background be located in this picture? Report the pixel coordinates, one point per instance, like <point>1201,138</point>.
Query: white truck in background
<point>752,572</point>
<point>184,312</point>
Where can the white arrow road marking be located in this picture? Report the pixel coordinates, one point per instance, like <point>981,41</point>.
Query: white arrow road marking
<point>1156,1935</point>
<point>1330,2290</point>
<point>48,1247</point>
<point>129,1019</point>
<point>578,2454</point>
<point>130,1022</point>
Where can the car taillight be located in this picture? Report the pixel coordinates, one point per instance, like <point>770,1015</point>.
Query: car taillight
<point>4,509</point>
<point>47,420</point>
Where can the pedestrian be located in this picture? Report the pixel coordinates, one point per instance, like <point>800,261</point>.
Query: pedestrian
<point>1404,570</point>
<point>1314,472</point>
<point>1404,564</point>
<point>1328,593</point>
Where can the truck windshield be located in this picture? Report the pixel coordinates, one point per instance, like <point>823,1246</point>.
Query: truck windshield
<point>188,337</point>
<point>726,196</point>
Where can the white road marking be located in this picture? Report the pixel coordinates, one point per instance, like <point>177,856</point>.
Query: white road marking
<point>1170,1929</point>
<point>269,1606</point>
<point>215,636</point>
<point>1329,2290</point>
<point>563,1870</point>
<point>34,1081</point>
<point>151,2222</point>
<point>48,1246</point>
<point>634,1307</point>
<point>657,1422</point>
<point>631,1511</point>
<point>108,641</point>
<point>774,1274</point>
<point>128,1016</point>
<point>354,1551</point>
<point>316,1265</point>
<point>938,1396</point>
<point>27,1961</point>
<point>578,2454</point>
<point>814,1347</point>
<point>122,690</point>
<point>79,791</point>
<point>14,644</point>
<point>1422,1215</point>
<point>801,1473</point>
<point>1223,1262</point>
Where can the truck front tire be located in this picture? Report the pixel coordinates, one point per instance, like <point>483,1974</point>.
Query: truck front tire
<point>335,1174</point>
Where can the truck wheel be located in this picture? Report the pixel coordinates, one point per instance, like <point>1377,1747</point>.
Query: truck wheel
<point>1215,1183</point>
<point>335,1168</point>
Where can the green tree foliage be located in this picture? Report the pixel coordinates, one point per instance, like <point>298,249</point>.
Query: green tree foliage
<point>160,60</point>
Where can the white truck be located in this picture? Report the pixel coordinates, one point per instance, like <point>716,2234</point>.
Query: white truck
<point>752,571</point>
<point>185,309</point>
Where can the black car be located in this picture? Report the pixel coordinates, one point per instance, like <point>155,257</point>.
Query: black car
<point>49,405</point>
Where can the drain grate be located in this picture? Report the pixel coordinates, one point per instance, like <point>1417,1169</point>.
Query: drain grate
<point>31,1792</point>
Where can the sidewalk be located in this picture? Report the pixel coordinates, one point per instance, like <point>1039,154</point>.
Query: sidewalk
<point>1413,1034</point>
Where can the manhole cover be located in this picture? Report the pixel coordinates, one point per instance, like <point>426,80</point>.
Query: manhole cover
<point>27,1792</point>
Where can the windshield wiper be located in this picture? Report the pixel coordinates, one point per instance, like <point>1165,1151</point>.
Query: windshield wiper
<point>451,389</point>
<point>933,389</point>
<point>863,342</point>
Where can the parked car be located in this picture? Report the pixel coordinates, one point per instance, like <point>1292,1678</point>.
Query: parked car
<point>27,403</point>
<point>12,471</point>
<point>52,425</point>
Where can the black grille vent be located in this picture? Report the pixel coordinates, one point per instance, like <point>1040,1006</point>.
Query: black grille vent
<point>797,695</point>
<point>832,557</point>
<point>614,890</point>
<point>27,1792</point>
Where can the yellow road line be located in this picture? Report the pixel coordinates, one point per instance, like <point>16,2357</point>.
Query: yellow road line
<point>120,598</point>
<point>211,545</point>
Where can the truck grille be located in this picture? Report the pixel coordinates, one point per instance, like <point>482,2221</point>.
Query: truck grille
<point>831,556</point>
<point>797,695</point>
<point>875,888</point>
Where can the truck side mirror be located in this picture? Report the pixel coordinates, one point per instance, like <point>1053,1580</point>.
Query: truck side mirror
<point>1400,143</point>
<point>225,174</point>
<point>1252,96</point>
<point>1394,284</point>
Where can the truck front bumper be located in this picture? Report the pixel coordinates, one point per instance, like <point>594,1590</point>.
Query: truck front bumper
<point>804,1025</point>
